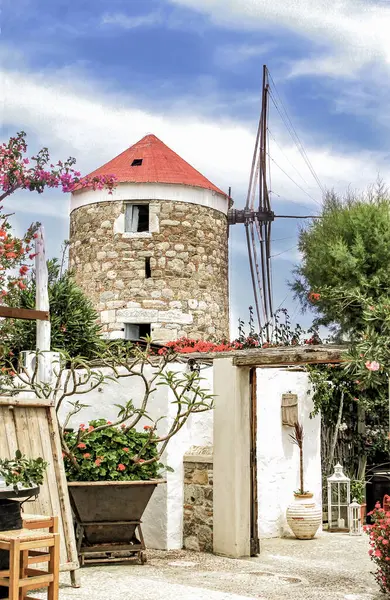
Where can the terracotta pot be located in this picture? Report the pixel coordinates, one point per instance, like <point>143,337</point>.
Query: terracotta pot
<point>304,516</point>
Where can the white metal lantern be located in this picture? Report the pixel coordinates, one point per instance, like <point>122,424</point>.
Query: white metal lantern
<point>339,499</point>
<point>355,523</point>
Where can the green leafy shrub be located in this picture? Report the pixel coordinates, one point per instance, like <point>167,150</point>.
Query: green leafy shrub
<point>74,321</point>
<point>111,453</point>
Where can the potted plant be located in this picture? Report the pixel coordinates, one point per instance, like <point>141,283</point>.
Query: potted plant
<point>112,472</point>
<point>303,515</point>
<point>20,477</point>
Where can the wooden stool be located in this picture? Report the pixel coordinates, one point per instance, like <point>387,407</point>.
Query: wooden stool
<point>33,522</point>
<point>20,578</point>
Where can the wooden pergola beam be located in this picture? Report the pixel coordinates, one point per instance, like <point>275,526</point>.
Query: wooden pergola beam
<point>290,356</point>
<point>25,314</point>
<point>282,356</point>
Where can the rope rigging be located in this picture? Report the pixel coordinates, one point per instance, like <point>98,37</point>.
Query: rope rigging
<point>258,214</point>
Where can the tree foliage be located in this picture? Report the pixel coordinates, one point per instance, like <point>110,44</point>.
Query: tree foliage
<point>344,277</point>
<point>341,398</point>
<point>347,251</point>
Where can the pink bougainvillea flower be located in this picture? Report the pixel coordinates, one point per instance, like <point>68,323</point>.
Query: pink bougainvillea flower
<point>98,462</point>
<point>125,449</point>
<point>141,460</point>
<point>121,467</point>
<point>87,455</point>
<point>147,427</point>
<point>109,423</point>
<point>91,428</point>
<point>81,446</point>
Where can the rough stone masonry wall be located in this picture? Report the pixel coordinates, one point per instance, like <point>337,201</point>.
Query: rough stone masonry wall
<point>198,501</point>
<point>187,293</point>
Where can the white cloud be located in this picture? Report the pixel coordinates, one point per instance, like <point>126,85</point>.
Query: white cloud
<point>74,116</point>
<point>126,22</point>
<point>348,34</point>
<point>77,119</point>
<point>233,55</point>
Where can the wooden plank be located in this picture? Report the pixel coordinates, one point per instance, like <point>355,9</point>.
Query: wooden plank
<point>25,314</point>
<point>32,402</point>
<point>255,541</point>
<point>38,431</point>
<point>4,449</point>
<point>35,430</point>
<point>66,522</point>
<point>48,502</point>
<point>7,416</point>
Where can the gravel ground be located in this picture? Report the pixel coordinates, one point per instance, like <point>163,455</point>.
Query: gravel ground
<point>331,567</point>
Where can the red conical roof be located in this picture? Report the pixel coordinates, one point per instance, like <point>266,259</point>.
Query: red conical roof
<point>151,161</point>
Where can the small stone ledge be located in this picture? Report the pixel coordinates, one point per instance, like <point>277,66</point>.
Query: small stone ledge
<point>199,454</point>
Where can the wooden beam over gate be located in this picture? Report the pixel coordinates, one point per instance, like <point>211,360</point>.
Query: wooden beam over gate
<point>290,356</point>
<point>277,356</point>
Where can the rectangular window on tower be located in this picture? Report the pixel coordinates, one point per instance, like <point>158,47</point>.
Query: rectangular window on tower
<point>136,218</point>
<point>148,269</point>
<point>134,332</point>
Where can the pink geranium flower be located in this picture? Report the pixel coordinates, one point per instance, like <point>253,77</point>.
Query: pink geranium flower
<point>372,365</point>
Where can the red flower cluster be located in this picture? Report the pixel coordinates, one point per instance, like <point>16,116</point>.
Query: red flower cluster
<point>14,252</point>
<point>379,534</point>
<point>187,346</point>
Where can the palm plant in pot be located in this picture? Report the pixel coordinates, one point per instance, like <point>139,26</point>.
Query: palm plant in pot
<point>303,515</point>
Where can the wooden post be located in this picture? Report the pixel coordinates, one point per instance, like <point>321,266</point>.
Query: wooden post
<point>42,303</point>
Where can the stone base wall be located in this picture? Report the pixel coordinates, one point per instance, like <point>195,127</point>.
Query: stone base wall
<point>198,500</point>
<point>187,292</point>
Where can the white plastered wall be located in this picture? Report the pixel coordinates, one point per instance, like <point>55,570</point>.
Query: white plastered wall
<point>152,191</point>
<point>277,457</point>
<point>163,518</point>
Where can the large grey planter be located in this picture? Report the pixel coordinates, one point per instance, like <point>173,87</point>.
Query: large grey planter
<point>107,514</point>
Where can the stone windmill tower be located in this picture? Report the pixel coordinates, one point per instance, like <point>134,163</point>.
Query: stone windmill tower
<point>153,256</point>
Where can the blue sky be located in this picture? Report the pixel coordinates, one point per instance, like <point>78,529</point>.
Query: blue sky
<point>90,78</point>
